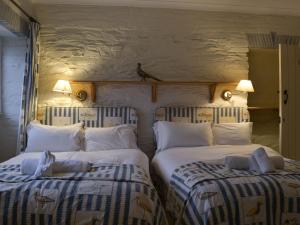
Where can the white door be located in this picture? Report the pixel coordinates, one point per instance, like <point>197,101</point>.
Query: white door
<point>289,100</point>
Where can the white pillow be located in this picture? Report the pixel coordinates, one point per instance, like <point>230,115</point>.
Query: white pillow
<point>232,133</point>
<point>109,138</point>
<point>172,134</point>
<point>53,138</point>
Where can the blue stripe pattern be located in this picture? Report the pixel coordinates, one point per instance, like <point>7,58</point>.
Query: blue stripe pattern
<point>30,83</point>
<point>209,194</point>
<point>91,116</point>
<point>109,195</point>
<point>194,114</point>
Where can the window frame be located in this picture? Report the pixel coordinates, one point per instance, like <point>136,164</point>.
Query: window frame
<point>1,72</point>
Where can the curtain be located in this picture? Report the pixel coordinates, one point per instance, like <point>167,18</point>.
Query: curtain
<point>30,83</point>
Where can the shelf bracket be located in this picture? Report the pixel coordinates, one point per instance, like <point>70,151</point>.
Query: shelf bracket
<point>93,92</point>
<point>153,91</point>
<point>212,91</point>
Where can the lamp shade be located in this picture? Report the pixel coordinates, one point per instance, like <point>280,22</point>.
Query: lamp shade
<point>63,86</point>
<point>245,86</point>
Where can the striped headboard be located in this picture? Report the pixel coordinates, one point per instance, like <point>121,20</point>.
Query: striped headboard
<point>202,114</point>
<point>91,116</point>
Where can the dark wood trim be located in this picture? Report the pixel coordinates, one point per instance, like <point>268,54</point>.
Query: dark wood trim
<point>24,12</point>
<point>262,108</point>
<point>154,85</point>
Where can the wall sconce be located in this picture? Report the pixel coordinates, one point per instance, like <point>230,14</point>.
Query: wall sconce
<point>243,86</point>
<point>64,86</point>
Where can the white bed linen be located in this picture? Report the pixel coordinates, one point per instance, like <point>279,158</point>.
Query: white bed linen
<point>165,162</point>
<point>119,156</point>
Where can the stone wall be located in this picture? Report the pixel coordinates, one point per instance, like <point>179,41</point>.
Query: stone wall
<point>101,43</point>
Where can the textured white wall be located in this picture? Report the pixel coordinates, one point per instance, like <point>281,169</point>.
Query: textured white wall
<point>106,43</point>
<point>13,64</point>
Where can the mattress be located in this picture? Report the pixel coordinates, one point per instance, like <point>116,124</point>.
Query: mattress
<point>165,162</point>
<point>202,190</point>
<point>117,156</point>
<point>117,190</point>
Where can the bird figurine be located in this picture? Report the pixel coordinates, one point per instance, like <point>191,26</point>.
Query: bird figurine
<point>143,74</point>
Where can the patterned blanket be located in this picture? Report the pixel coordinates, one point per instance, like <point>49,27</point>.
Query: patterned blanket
<point>210,194</point>
<point>108,195</point>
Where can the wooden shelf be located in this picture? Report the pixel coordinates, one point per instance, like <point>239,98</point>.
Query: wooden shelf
<point>262,108</point>
<point>154,85</point>
<point>138,82</point>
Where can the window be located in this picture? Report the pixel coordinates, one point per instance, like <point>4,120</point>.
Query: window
<point>0,74</point>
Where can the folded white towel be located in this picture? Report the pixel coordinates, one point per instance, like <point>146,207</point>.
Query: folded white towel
<point>249,163</point>
<point>263,160</point>
<point>237,162</point>
<point>277,162</point>
<point>29,166</point>
<point>44,167</point>
<point>68,166</point>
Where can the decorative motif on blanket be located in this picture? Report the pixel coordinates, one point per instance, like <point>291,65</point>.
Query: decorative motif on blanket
<point>110,194</point>
<point>205,194</point>
<point>202,114</point>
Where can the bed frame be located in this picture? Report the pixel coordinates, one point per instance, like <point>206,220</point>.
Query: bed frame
<point>192,114</point>
<point>91,116</point>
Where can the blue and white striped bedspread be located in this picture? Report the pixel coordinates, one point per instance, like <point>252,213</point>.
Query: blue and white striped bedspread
<point>108,195</point>
<point>208,194</point>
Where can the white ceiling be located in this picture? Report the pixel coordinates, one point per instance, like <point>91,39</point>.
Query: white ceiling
<point>271,7</point>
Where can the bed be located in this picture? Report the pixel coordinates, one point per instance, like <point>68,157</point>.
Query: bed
<point>117,189</point>
<point>199,189</point>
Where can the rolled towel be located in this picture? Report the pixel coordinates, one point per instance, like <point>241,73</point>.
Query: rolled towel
<point>68,166</point>
<point>29,166</point>
<point>253,164</point>
<point>44,167</point>
<point>277,162</point>
<point>263,160</point>
<point>237,162</point>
